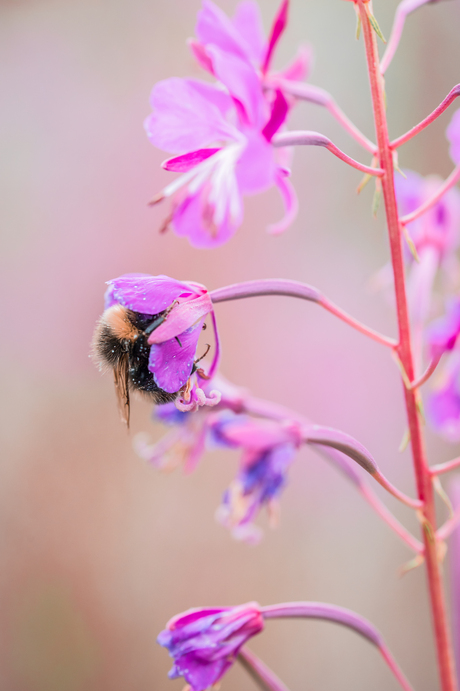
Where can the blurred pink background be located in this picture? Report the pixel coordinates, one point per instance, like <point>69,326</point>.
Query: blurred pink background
<point>98,549</point>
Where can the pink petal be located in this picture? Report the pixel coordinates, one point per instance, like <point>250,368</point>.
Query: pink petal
<point>256,167</point>
<point>280,109</point>
<point>201,56</point>
<point>185,117</point>
<point>181,317</point>
<point>182,164</point>
<point>214,27</point>
<point>299,69</point>
<point>278,26</point>
<point>248,24</point>
<point>170,363</point>
<point>190,220</point>
<point>257,435</point>
<point>291,205</point>
<point>242,81</point>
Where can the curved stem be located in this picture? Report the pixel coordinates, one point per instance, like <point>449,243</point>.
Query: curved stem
<point>423,477</point>
<point>403,9</point>
<point>408,501</point>
<point>259,671</point>
<point>339,615</point>
<point>321,97</point>
<point>426,375</point>
<point>247,289</point>
<point>274,411</point>
<point>451,96</point>
<point>441,191</point>
<point>308,138</point>
<point>380,508</point>
<point>445,467</point>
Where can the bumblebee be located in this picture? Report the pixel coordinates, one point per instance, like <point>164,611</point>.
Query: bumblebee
<point>120,343</point>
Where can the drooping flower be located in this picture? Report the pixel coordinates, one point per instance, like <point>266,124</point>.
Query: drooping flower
<point>169,316</point>
<point>268,448</point>
<point>205,642</point>
<point>223,140</point>
<point>443,404</point>
<point>453,136</point>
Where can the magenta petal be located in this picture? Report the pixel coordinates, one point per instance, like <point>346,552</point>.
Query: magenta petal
<point>190,220</point>
<point>171,363</point>
<point>242,81</point>
<point>146,294</point>
<point>291,204</point>
<point>248,23</point>
<point>256,167</point>
<point>182,317</point>
<point>280,109</point>
<point>184,117</point>
<point>278,26</point>
<point>182,164</point>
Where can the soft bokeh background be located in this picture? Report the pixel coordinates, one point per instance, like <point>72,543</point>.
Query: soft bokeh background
<point>99,550</point>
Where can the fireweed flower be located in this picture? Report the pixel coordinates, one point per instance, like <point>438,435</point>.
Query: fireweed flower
<point>223,140</point>
<point>204,643</point>
<point>173,313</point>
<point>269,448</point>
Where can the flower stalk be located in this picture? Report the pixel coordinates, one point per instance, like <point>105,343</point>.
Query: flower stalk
<point>405,353</point>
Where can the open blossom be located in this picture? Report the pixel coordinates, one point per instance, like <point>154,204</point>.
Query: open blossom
<point>269,448</point>
<point>172,314</point>
<point>204,643</point>
<point>222,134</point>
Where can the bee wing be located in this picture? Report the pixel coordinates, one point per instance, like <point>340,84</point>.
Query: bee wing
<point>120,377</point>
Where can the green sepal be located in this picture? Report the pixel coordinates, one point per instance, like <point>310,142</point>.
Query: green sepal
<point>375,26</point>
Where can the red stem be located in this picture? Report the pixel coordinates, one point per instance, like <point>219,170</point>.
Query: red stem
<point>422,474</point>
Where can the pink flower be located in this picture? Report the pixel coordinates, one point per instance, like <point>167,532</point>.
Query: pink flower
<point>269,448</point>
<point>223,138</point>
<point>205,642</point>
